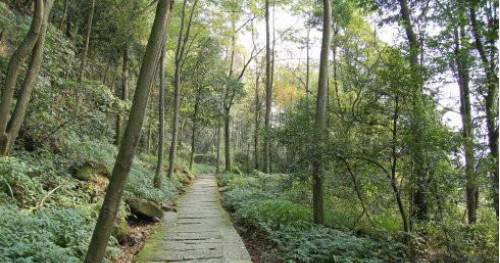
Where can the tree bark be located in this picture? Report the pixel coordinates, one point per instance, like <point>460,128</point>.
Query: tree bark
<point>179,57</point>
<point>417,121</point>
<point>257,123</point>
<point>321,118</point>
<point>17,118</point>
<point>83,65</point>
<point>161,112</point>
<point>491,100</point>
<point>269,96</point>
<point>227,139</point>
<point>123,95</point>
<point>394,165</point>
<point>107,215</point>
<point>15,64</point>
<point>217,164</point>
<point>195,126</point>
<point>65,15</point>
<point>462,76</point>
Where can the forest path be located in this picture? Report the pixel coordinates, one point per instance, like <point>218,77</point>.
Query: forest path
<point>200,231</point>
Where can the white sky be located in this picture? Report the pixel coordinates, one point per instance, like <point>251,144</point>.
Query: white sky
<point>290,53</point>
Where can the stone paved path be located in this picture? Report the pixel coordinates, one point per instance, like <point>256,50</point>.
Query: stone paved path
<point>200,231</point>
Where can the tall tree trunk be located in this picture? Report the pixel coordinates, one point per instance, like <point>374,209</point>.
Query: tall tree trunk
<point>491,100</point>
<point>123,94</point>
<point>15,64</point>
<point>217,164</point>
<point>179,57</point>
<point>227,138</point>
<point>175,122</point>
<point>228,102</point>
<point>257,123</point>
<point>161,112</point>
<point>114,192</point>
<point>417,121</point>
<point>17,118</point>
<point>195,126</point>
<point>308,61</point>
<point>462,76</point>
<point>394,165</point>
<point>269,96</point>
<point>321,118</point>
<point>10,125</point>
<point>83,65</point>
<point>65,15</point>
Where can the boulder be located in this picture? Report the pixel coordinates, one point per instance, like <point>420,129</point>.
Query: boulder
<point>145,208</point>
<point>85,171</point>
<point>184,175</point>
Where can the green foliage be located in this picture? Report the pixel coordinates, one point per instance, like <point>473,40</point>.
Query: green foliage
<point>266,202</point>
<point>464,243</point>
<point>52,235</point>
<point>312,243</point>
<point>16,181</point>
<point>140,184</point>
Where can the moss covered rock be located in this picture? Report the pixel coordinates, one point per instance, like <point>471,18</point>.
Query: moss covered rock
<point>86,170</point>
<point>145,208</point>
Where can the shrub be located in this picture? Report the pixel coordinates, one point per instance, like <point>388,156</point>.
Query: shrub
<point>313,243</point>
<point>140,184</point>
<point>278,212</point>
<point>16,182</point>
<point>51,235</point>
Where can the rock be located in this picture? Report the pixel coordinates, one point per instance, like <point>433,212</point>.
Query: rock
<point>145,208</point>
<point>183,175</point>
<point>86,170</point>
<point>84,173</point>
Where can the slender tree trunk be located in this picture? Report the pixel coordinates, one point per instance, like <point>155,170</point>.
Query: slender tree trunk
<point>114,192</point>
<point>64,16</point>
<point>321,118</point>
<point>462,75</point>
<point>175,122</point>
<point>123,95</point>
<point>227,138</point>
<point>15,64</point>
<point>83,65</point>
<point>228,102</point>
<point>491,100</point>
<point>308,61</point>
<point>269,96</point>
<point>161,112</point>
<point>17,118</point>
<point>394,184</point>
<point>179,56</point>
<point>257,123</point>
<point>195,126</point>
<point>217,164</point>
<point>417,122</point>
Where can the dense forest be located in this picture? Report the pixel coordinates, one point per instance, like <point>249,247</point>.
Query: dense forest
<point>336,130</point>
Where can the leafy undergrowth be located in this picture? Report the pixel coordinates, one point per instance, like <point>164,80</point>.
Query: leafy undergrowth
<point>48,215</point>
<point>273,215</point>
<point>260,205</point>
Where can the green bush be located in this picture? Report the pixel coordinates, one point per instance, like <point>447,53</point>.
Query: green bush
<point>140,184</point>
<point>50,235</point>
<point>313,243</point>
<point>277,212</point>
<point>16,181</point>
<point>270,203</point>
